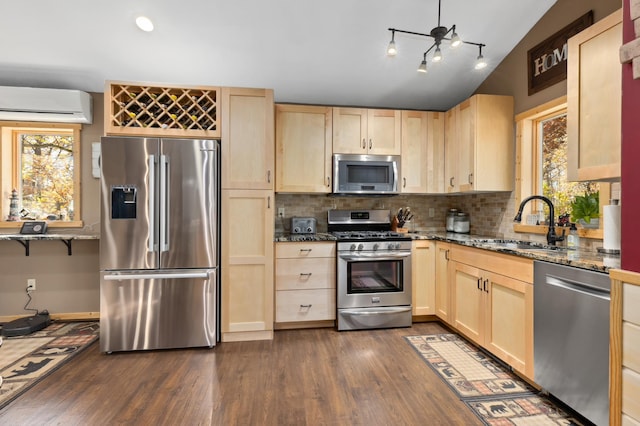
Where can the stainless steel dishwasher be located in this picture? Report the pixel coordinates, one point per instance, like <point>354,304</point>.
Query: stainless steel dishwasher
<point>571,337</point>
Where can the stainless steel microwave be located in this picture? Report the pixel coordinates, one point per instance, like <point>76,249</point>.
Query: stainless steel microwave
<point>366,174</point>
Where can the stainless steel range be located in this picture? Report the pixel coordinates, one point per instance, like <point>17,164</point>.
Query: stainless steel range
<point>373,270</point>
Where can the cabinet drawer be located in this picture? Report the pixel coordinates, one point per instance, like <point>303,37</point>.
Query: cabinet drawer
<point>305,305</point>
<point>630,303</point>
<point>305,249</point>
<point>518,268</point>
<point>300,274</point>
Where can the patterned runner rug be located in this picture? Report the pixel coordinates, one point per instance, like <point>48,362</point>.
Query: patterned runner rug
<point>25,360</point>
<point>496,396</point>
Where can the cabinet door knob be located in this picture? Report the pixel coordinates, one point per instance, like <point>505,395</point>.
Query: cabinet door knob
<point>305,274</point>
<point>404,182</point>
<point>451,182</point>
<point>471,178</point>
<point>370,144</point>
<point>478,285</point>
<point>328,181</point>
<point>364,143</point>
<point>306,306</point>
<point>268,176</point>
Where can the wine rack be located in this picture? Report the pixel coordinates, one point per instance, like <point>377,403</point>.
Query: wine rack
<point>145,110</point>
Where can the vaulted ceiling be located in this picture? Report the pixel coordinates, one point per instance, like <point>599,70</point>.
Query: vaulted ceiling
<point>322,52</point>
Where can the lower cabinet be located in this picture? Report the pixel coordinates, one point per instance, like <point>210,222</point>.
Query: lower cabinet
<point>493,305</point>
<point>247,265</point>
<point>624,348</point>
<point>305,282</point>
<point>442,288</point>
<point>423,277</point>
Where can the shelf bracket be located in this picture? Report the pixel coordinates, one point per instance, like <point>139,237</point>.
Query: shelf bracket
<point>68,244</point>
<point>25,243</point>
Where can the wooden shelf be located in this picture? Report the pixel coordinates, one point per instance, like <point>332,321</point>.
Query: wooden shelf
<point>134,109</point>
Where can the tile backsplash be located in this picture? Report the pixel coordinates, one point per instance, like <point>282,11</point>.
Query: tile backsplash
<point>490,214</point>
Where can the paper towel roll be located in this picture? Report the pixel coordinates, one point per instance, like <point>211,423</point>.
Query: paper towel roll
<point>611,227</point>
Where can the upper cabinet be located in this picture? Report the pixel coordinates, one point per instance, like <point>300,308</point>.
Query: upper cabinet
<point>366,131</point>
<point>480,138</point>
<point>247,139</point>
<point>594,91</point>
<point>422,165</point>
<point>136,109</point>
<point>303,148</point>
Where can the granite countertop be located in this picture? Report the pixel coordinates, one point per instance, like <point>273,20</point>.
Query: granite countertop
<point>580,258</point>
<point>51,236</point>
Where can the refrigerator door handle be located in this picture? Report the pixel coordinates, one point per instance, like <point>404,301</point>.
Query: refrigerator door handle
<point>151,163</point>
<point>134,276</point>
<point>164,203</point>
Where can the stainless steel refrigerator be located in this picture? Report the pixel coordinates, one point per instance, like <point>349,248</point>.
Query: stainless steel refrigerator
<point>159,243</point>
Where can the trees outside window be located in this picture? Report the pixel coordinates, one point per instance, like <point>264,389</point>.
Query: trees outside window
<point>553,182</point>
<point>46,175</point>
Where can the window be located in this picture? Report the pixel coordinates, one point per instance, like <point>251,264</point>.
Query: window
<point>552,168</point>
<point>41,163</point>
<point>541,164</point>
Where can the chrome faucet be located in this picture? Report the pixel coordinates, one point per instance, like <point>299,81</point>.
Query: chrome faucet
<point>552,238</point>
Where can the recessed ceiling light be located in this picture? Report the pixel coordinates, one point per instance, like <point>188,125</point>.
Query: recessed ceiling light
<point>144,23</point>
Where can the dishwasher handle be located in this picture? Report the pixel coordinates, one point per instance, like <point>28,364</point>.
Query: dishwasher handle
<point>578,287</point>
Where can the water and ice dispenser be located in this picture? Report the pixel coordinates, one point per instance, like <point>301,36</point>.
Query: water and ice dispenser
<point>123,202</point>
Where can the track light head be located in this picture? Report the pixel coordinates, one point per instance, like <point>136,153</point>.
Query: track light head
<point>391,49</point>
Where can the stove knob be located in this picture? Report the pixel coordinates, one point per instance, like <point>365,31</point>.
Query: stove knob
<point>360,246</point>
<point>353,247</point>
<point>375,246</point>
<point>390,246</point>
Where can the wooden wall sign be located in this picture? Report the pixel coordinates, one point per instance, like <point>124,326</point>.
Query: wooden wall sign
<point>547,61</point>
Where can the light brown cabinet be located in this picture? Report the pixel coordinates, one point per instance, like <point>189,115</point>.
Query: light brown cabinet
<point>247,139</point>
<point>366,131</point>
<point>624,348</point>
<point>305,281</point>
<point>303,148</point>
<point>247,215</point>
<point>480,142</point>
<point>492,304</point>
<point>422,166</point>
<point>247,265</point>
<point>442,290</point>
<point>423,277</point>
<point>594,101</point>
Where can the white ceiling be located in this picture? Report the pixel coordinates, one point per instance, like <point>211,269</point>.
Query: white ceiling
<point>321,52</point>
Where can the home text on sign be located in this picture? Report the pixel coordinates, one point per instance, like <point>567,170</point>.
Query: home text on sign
<point>547,61</point>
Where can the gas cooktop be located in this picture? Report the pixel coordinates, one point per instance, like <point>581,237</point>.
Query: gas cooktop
<point>363,225</point>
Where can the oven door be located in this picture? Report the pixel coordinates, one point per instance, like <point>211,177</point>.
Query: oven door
<point>374,279</point>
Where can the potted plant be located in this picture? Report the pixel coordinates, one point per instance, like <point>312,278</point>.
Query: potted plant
<point>585,209</point>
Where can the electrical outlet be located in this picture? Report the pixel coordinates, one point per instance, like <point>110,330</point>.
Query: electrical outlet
<point>31,284</point>
<point>432,212</point>
<point>280,211</point>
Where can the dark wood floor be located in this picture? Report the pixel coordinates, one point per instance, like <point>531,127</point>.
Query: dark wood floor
<point>302,377</point>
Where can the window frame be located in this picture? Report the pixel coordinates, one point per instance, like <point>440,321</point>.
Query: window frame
<point>10,179</point>
<point>528,165</point>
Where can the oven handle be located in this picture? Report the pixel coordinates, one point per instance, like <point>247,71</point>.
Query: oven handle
<point>374,311</point>
<point>386,256</point>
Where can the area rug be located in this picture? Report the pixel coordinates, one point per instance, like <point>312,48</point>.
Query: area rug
<point>25,360</point>
<point>495,395</point>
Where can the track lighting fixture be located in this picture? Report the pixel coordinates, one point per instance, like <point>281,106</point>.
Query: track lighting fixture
<point>438,34</point>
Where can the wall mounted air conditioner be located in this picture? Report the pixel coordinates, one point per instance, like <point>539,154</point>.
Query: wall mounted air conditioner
<point>48,105</point>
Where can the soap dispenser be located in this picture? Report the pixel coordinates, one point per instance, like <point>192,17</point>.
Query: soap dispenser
<point>573,240</point>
